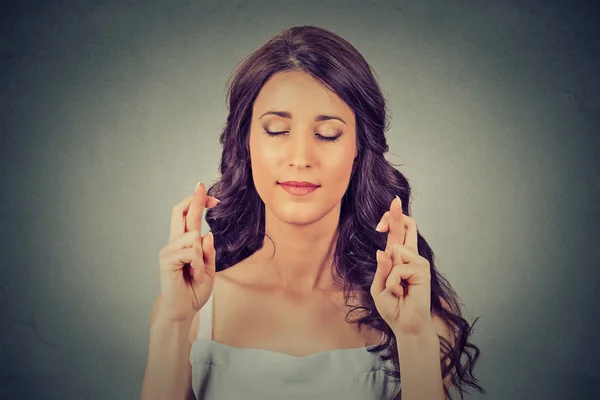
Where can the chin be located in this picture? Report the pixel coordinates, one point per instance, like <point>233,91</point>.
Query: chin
<point>293,215</point>
<point>299,213</point>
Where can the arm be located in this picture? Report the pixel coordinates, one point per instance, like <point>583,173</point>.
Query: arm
<point>420,364</point>
<point>401,289</point>
<point>168,371</point>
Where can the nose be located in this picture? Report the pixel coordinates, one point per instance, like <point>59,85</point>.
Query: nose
<point>301,151</point>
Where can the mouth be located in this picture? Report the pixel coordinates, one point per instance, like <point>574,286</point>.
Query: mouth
<point>299,184</point>
<point>298,188</point>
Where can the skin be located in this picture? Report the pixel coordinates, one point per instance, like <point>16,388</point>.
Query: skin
<point>401,291</point>
<point>302,227</point>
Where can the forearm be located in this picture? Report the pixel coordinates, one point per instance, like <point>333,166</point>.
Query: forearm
<point>420,369</point>
<point>167,370</point>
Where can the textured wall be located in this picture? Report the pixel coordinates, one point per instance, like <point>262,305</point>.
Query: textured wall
<point>110,113</point>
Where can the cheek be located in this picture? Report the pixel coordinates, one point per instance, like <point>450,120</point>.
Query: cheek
<point>264,161</point>
<point>339,164</point>
<point>263,152</point>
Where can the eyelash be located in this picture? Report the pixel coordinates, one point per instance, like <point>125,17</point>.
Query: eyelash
<point>323,138</point>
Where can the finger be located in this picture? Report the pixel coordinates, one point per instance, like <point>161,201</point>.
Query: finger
<point>193,219</point>
<point>411,234</point>
<point>383,224</point>
<point>405,255</point>
<point>188,239</point>
<point>400,273</point>
<point>384,266</point>
<point>197,264</point>
<point>400,290</point>
<point>211,202</point>
<point>414,274</point>
<point>178,219</point>
<point>405,278</point>
<point>177,226</point>
<point>209,253</point>
<point>176,260</point>
<point>396,231</point>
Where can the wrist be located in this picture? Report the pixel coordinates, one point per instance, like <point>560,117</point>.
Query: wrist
<point>425,337</point>
<point>166,321</point>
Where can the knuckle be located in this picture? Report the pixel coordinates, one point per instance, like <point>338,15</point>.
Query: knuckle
<point>176,237</point>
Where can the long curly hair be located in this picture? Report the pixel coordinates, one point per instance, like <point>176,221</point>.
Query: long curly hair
<point>238,222</point>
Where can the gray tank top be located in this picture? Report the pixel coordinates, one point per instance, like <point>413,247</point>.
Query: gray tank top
<point>223,372</point>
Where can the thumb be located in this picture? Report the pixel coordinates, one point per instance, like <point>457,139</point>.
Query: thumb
<point>384,267</point>
<point>210,254</point>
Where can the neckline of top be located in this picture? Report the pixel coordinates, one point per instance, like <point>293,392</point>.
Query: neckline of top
<point>361,349</point>
<point>205,334</point>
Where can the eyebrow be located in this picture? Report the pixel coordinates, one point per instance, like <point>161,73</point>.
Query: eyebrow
<point>318,118</point>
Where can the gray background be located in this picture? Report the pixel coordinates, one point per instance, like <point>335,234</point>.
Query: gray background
<point>111,111</point>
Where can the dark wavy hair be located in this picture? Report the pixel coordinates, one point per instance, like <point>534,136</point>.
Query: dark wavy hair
<point>237,223</point>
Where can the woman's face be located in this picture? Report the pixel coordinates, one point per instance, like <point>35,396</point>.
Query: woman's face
<point>308,113</point>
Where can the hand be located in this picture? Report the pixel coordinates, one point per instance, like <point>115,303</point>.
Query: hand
<point>187,262</point>
<point>401,286</point>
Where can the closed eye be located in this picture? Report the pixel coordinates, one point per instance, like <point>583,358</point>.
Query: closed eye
<point>321,137</point>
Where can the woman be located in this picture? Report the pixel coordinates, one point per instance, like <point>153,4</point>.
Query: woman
<point>294,251</point>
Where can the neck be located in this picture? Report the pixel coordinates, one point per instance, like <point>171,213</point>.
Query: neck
<point>300,256</point>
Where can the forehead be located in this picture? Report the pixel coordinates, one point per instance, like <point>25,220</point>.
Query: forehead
<point>299,93</point>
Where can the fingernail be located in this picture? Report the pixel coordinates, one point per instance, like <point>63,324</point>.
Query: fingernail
<point>197,186</point>
<point>379,226</point>
<point>399,201</point>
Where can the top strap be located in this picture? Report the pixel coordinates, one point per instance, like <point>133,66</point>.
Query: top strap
<point>205,319</point>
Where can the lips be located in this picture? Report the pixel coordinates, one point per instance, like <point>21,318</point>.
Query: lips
<point>302,184</point>
<point>298,188</point>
